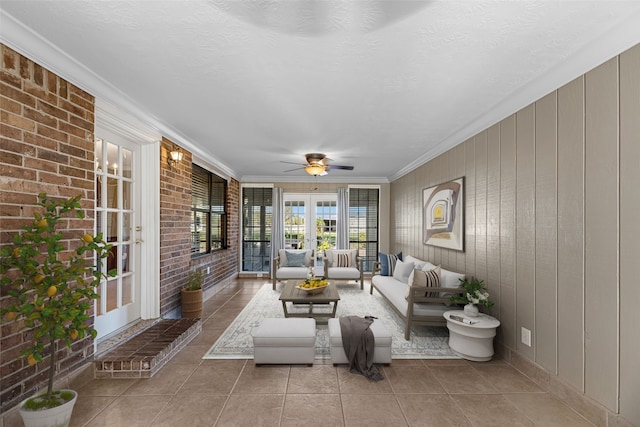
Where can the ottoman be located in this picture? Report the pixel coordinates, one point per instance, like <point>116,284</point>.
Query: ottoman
<point>382,349</point>
<point>285,341</point>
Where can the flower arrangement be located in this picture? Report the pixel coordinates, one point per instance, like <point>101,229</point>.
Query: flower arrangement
<point>476,293</point>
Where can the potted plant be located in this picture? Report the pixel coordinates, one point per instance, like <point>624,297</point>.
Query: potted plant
<point>476,293</point>
<point>50,289</point>
<point>192,295</point>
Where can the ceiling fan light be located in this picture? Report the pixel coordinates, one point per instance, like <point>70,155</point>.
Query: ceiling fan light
<point>314,170</point>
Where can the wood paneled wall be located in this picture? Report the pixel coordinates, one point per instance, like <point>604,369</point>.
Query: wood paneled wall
<point>552,226</point>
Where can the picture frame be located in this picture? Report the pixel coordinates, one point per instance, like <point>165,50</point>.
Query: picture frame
<point>443,215</point>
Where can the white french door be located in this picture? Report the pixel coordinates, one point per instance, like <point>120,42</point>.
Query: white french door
<point>118,219</point>
<point>310,223</point>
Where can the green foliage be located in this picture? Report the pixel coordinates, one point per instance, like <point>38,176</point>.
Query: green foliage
<point>195,280</point>
<point>48,400</point>
<point>50,287</point>
<point>475,293</point>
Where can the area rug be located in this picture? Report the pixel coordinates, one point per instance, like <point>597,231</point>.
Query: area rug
<point>427,342</point>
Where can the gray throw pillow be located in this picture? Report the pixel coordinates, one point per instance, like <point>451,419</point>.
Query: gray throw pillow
<point>295,259</point>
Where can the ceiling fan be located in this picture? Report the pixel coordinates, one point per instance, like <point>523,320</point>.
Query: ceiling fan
<point>317,165</point>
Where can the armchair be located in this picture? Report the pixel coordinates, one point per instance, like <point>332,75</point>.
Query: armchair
<point>343,264</point>
<point>291,264</point>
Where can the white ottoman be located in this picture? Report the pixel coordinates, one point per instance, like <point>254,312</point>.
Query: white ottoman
<point>382,349</point>
<point>285,341</point>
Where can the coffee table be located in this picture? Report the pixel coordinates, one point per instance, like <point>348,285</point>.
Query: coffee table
<point>291,294</point>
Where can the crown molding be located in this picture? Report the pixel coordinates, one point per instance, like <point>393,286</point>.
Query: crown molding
<point>608,45</point>
<point>115,107</point>
<point>315,179</point>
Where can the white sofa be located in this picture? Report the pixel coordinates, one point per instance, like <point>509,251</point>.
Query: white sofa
<point>353,269</point>
<point>409,301</point>
<point>286,269</point>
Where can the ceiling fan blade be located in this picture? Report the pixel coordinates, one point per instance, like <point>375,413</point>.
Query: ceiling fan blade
<point>295,169</point>
<point>348,168</point>
<point>293,163</point>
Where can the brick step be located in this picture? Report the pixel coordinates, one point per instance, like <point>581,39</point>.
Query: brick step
<point>145,353</point>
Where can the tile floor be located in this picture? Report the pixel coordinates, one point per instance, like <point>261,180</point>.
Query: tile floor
<point>191,392</point>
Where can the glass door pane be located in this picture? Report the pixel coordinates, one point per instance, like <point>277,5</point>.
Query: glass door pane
<point>325,230</point>
<point>295,213</point>
<point>116,219</point>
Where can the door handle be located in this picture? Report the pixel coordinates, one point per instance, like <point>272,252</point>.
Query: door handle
<point>138,241</point>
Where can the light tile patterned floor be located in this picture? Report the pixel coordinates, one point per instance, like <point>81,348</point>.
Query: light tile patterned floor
<point>193,392</point>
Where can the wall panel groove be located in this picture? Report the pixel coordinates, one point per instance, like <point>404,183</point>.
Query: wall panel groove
<point>560,255</point>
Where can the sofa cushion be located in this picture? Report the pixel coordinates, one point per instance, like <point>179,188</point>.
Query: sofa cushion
<point>343,273</point>
<point>402,271</point>
<point>388,262</point>
<point>285,273</point>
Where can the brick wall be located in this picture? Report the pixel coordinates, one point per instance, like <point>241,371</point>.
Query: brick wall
<point>175,220</point>
<point>46,145</point>
<point>175,226</point>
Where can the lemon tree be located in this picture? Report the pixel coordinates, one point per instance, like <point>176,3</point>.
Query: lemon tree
<point>50,289</point>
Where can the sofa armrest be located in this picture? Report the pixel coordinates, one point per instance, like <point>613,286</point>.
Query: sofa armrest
<point>275,265</point>
<point>417,295</point>
<point>376,268</point>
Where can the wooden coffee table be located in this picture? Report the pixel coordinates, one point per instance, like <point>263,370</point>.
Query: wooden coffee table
<point>291,294</point>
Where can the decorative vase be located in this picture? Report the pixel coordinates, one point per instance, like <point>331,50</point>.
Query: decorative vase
<point>192,303</point>
<point>471,310</point>
<point>60,416</point>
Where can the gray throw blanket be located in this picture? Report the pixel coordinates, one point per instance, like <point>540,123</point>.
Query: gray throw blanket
<point>359,343</point>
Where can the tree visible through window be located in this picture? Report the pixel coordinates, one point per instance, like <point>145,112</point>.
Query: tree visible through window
<point>209,212</point>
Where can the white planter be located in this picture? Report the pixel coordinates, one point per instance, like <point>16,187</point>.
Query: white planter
<point>60,416</point>
<point>471,310</point>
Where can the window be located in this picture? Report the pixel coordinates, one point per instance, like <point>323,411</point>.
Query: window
<point>257,214</point>
<point>209,212</point>
<point>363,224</point>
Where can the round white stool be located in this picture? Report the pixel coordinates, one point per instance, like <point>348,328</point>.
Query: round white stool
<point>473,340</point>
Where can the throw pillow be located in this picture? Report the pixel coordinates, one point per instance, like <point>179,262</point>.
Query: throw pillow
<point>425,279</point>
<point>338,257</point>
<point>341,260</point>
<point>417,263</point>
<point>388,263</point>
<point>295,259</point>
<point>402,271</point>
<point>450,279</point>
<point>432,278</point>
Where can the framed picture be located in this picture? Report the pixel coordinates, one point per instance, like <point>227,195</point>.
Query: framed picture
<point>443,215</point>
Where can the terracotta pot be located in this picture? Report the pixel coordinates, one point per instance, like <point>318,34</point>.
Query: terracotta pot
<point>192,303</point>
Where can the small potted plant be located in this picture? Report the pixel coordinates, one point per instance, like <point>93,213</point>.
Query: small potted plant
<point>192,295</point>
<point>475,294</point>
<point>49,289</point>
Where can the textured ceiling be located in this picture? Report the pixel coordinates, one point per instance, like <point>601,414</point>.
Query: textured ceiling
<point>381,85</point>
